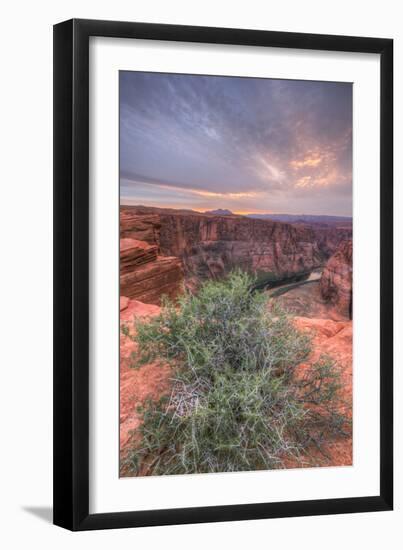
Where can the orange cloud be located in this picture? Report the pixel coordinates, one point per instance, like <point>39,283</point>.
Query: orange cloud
<point>309,161</point>
<point>198,192</point>
<point>305,181</point>
<point>317,168</point>
<point>240,195</point>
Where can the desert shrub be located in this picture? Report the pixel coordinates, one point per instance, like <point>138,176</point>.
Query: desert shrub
<point>236,402</point>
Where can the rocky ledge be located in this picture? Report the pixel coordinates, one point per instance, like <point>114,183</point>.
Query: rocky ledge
<point>146,276</point>
<point>143,227</point>
<point>134,253</point>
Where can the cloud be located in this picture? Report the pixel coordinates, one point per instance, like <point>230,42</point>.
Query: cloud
<point>235,142</point>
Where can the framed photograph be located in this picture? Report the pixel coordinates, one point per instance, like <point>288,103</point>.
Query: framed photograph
<point>223,322</point>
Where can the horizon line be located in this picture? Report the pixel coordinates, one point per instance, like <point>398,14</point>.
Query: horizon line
<point>123,202</point>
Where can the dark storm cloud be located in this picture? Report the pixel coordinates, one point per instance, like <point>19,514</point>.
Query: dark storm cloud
<point>242,143</point>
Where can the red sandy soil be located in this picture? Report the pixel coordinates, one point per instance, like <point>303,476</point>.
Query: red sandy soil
<point>136,384</point>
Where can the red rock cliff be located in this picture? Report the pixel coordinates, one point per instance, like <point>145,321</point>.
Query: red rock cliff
<point>330,236</point>
<point>336,280</point>
<point>146,276</point>
<point>210,246</point>
<point>144,227</point>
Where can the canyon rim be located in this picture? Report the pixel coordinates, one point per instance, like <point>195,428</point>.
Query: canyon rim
<point>236,263</point>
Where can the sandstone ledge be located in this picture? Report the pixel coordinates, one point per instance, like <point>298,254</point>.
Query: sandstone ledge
<point>145,276</point>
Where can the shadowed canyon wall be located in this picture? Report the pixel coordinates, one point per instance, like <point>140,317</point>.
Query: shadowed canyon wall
<point>337,279</point>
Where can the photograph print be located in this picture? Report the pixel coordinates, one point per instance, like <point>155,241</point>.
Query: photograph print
<point>236,298</point>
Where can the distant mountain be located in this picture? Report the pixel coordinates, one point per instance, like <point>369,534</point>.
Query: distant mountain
<point>301,218</point>
<point>219,212</point>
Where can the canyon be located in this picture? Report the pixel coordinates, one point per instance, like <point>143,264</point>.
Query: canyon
<point>209,246</point>
<point>163,250</point>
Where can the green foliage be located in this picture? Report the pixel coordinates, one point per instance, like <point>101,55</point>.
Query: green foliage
<point>236,403</point>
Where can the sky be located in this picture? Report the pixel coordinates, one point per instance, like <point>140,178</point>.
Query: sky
<point>250,145</point>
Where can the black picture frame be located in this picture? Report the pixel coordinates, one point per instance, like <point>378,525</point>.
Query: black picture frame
<point>71,274</point>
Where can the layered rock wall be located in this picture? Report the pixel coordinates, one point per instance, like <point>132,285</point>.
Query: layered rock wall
<point>143,227</point>
<point>134,253</point>
<point>210,246</point>
<point>329,237</point>
<point>146,276</point>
